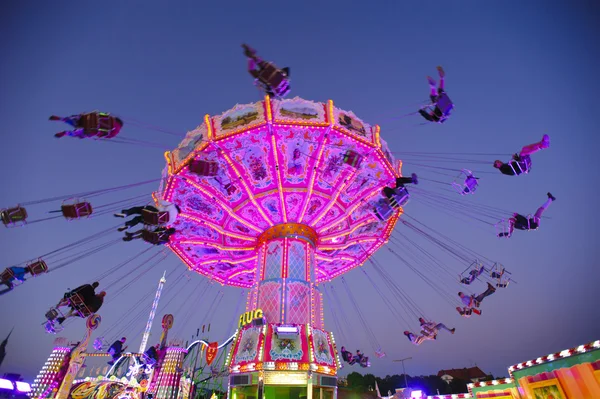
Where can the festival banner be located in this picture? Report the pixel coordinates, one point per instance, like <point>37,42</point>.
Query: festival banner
<point>211,352</point>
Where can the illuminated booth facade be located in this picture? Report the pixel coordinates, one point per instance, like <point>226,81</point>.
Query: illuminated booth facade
<point>569,374</point>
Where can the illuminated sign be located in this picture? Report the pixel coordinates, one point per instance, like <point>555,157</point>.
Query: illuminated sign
<point>247,317</point>
<point>285,378</point>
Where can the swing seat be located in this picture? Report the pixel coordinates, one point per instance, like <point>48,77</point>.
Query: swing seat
<point>399,198</point>
<point>522,166</point>
<point>502,229</point>
<point>204,168</point>
<point>497,267</point>
<point>444,104</point>
<point>12,217</point>
<point>51,328</point>
<point>77,302</point>
<point>365,362</point>
<point>465,183</point>
<point>383,210</point>
<point>37,267</point>
<point>155,238</point>
<point>7,275</point>
<point>353,158</point>
<point>531,217</point>
<point>380,353</point>
<point>52,314</point>
<point>99,124</point>
<point>271,76</point>
<point>77,210</point>
<point>155,218</point>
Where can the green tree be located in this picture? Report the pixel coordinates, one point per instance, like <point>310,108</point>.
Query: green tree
<point>356,382</point>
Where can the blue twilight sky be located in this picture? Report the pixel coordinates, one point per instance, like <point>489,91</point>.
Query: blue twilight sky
<point>516,70</point>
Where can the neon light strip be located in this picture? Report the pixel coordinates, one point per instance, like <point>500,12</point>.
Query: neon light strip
<point>221,204</point>
<point>384,161</point>
<point>360,224</point>
<point>248,191</point>
<point>347,244</point>
<point>284,122</point>
<point>278,173</point>
<point>377,136</point>
<point>209,127</point>
<point>216,227</point>
<point>284,270</point>
<point>284,279</point>
<point>335,258</point>
<point>268,108</point>
<point>205,344</point>
<point>314,175</point>
<point>352,136</point>
<point>240,272</point>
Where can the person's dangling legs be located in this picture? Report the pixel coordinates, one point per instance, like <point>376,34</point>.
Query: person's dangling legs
<point>442,326</point>
<point>538,214</point>
<point>72,120</point>
<point>71,133</point>
<point>489,291</point>
<point>433,91</point>
<point>137,210</point>
<point>401,181</point>
<point>135,221</point>
<point>133,236</point>
<point>442,75</point>
<point>535,147</point>
<point>130,223</point>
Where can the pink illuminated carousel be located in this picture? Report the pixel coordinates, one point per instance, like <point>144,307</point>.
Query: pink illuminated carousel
<point>277,197</point>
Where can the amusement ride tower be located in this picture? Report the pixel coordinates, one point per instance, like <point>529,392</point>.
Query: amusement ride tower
<point>277,197</point>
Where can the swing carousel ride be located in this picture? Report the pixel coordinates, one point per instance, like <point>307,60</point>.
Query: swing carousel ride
<point>278,198</point>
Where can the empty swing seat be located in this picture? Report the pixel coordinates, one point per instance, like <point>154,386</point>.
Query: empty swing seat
<point>76,211</point>
<point>7,275</point>
<point>383,210</point>
<point>465,183</point>
<point>353,158</point>
<point>155,218</point>
<point>13,216</point>
<point>37,267</point>
<point>204,168</point>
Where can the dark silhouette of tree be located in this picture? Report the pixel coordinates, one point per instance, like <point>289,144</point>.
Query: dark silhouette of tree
<point>431,385</point>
